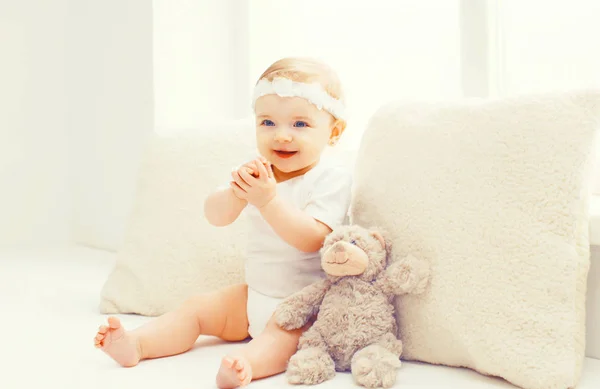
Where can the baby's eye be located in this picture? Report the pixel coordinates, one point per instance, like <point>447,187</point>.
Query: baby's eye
<point>300,124</point>
<point>267,122</point>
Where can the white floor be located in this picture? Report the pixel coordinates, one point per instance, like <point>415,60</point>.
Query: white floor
<point>48,301</point>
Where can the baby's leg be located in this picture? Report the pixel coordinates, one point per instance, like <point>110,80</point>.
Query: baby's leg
<point>266,355</point>
<point>221,314</point>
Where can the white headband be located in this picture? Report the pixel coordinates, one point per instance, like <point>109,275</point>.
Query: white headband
<point>314,93</point>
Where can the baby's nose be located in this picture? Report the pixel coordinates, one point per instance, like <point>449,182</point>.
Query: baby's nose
<point>283,136</point>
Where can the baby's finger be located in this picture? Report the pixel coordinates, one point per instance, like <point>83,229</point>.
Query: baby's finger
<point>252,171</point>
<point>262,170</point>
<point>256,163</point>
<point>270,170</point>
<point>238,180</point>
<point>247,177</point>
<point>265,162</point>
<point>251,168</point>
<point>239,192</point>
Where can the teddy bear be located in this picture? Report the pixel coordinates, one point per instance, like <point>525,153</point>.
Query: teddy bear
<point>352,310</point>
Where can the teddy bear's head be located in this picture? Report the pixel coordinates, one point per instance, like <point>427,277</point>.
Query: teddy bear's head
<point>354,251</point>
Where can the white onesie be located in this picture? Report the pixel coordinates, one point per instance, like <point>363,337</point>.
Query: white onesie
<point>275,269</point>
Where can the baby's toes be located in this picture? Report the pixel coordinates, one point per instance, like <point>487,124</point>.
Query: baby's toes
<point>238,366</point>
<point>244,378</point>
<point>100,337</point>
<point>243,372</point>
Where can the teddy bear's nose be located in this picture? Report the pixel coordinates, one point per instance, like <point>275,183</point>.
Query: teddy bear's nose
<point>341,257</point>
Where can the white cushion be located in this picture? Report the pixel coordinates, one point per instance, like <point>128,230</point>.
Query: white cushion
<point>494,194</point>
<point>170,251</point>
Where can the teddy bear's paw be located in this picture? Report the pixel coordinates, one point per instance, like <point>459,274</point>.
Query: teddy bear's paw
<point>375,367</point>
<point>286,318</point>
<point>310,366</point>
<point>421,272</point>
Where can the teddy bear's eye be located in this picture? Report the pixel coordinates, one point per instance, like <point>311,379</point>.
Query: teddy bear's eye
<point>353,242</point>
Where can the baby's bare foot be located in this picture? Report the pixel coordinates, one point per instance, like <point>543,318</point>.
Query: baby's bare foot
<point>234,372</point>
<point>119,345</point>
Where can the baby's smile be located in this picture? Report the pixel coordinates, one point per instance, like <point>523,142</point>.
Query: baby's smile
<point>285,154</point>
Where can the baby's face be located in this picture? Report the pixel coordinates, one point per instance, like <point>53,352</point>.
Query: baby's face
<point>291,132</point>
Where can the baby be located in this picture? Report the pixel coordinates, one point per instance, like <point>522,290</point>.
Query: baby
<point>293,199</point>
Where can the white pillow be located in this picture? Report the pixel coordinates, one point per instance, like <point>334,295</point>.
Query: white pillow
<point>494,194</point>
<point>170,251</point>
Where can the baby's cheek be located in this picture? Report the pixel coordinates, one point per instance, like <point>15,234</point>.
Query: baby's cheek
<point>263,144</point>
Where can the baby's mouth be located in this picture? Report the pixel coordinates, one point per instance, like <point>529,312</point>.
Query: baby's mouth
<point>284,154</point>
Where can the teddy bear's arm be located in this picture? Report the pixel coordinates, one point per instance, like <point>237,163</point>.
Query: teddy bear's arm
<point>408,275</point>
<point>295,311</point>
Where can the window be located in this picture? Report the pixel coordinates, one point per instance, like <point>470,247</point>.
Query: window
<point>550,45</point>
<point>382,49</point>
<point>414,45</point>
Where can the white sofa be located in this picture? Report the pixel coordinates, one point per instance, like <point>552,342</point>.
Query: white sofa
<point>49,305</point>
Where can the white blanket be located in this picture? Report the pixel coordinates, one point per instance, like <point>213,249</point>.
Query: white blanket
<point>49,303</point>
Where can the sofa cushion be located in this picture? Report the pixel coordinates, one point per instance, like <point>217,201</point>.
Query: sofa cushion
<point>170,251</point>
<point>494,194</point>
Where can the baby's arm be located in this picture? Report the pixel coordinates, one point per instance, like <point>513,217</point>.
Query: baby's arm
<point>327,207</point>
<point>223,207</point>
<point>296,227</point>
<point>305,229</point>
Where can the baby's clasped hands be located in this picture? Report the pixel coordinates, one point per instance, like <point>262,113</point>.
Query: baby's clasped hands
<point>254,182</point>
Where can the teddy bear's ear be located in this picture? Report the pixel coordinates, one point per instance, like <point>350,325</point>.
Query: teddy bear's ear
<point>379,237</point>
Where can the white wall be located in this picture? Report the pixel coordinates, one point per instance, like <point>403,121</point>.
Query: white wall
<point>76,103</point>
<point>110,84</point>
<point>200,62</point>
<point>34,195</point>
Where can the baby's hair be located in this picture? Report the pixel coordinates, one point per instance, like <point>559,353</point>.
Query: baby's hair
<point>306,70</point>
